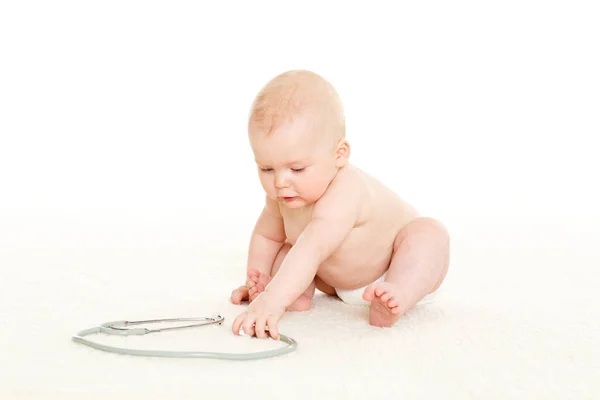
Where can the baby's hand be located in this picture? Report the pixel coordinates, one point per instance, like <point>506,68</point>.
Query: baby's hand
<point>260,316</point>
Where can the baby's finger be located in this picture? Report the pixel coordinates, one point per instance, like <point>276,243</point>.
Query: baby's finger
<point>248,326</point>
<point>235,327</point>
<point>272,323</point>
<point>259,327</point>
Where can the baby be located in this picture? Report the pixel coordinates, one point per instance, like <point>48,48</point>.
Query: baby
<point>325,223</point>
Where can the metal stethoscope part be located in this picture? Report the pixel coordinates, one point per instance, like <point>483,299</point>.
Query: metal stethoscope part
<point>121,328</point>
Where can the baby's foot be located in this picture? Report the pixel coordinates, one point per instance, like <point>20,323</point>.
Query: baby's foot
<point>385,300</point>
<point>257,281</point>
<point>240,294</point>
<point>302,303</point>
<point>250,290</point>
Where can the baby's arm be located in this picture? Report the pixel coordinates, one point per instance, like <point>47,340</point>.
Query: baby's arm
<point>333,218</point>
<point>267,238</point>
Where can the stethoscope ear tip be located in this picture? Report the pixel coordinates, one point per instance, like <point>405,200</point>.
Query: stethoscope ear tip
<point>216,319</point>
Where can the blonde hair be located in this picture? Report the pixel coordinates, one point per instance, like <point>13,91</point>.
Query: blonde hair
<point>294,92</point>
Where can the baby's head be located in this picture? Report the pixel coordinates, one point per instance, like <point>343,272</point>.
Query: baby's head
<point>297,133</point>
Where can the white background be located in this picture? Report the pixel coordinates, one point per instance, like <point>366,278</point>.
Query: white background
<point>123,124</point>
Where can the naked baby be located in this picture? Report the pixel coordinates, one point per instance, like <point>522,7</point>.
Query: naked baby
<point>325,223</point>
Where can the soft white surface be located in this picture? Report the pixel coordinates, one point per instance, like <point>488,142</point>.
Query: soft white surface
<point>518,318</point>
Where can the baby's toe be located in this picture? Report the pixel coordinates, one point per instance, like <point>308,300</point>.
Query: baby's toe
<point>395,310</point>
<point>369,293</point>
<point>385,297</point>
<point>253,272</point>
<point>238,295</point>
<point>264,279</point>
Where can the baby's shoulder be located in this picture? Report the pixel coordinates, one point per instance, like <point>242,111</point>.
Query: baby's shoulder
<point>352,180</point>
<point>367,195</point>
<point>345,192</point>
<point>348,181</point>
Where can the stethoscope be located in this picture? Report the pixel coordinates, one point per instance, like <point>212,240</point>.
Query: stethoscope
<point>121,328</point>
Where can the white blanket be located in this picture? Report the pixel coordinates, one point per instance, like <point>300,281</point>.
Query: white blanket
<point>514,321</point>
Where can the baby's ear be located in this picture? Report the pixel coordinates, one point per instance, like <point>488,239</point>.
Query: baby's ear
<point>342,153</point>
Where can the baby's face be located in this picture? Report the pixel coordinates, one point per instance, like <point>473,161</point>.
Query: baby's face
<point>296,163</point>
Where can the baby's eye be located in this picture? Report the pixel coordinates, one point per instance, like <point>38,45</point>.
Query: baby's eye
<point>266,169</point>
<point>298,169</point>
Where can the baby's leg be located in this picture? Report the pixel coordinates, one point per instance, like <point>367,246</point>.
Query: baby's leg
<point>418,267</point>
<point>258,281</point>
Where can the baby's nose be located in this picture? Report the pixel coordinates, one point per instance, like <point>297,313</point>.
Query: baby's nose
<point>281,181</point>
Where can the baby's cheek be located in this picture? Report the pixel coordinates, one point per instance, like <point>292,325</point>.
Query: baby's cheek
<point>318,187</point>
<point>267,187</point>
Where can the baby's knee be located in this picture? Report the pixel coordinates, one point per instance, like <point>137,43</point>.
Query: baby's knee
<point>429,222</point>
<point>436,235</point>
<point>441,229</point>
<point>426,232</point>
<point>439,234</point>
<point>429,226</point>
